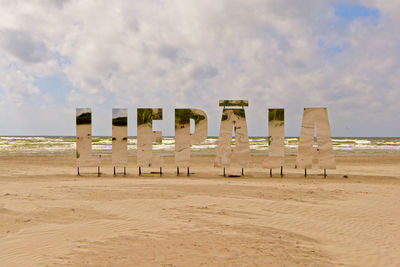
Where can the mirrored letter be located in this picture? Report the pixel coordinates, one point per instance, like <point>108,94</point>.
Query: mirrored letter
<point>315,119</point>
<point>146,136</point>
<point>276,139</point>
<point>233,117</point>
<point>119,138</point>
<point>183,138</point>
<point>84,157</point>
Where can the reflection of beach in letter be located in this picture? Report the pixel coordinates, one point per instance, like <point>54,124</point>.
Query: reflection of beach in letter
<point>276,139</point>
<point>84,157</point>
<point>233,117</point>
<point>146,136</point>
<point>120,138</point>
<point>183,138</point>
<point>315,119</point>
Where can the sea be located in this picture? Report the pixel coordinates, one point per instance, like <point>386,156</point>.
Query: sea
<point>66,145</point>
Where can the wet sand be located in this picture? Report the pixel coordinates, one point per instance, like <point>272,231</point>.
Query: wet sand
<point>51,217</point>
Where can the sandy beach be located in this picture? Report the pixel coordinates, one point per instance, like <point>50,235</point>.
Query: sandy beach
<point>51,217</point>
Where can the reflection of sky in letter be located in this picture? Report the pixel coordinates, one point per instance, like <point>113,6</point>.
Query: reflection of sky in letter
<point>119,112</point>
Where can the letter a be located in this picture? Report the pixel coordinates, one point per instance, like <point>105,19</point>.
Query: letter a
<point>315,118</point>
<point>241,151</point>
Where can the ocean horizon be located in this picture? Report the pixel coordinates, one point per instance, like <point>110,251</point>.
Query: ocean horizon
<point>66,145</point>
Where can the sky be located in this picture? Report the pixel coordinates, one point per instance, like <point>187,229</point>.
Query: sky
<point>59,55</point>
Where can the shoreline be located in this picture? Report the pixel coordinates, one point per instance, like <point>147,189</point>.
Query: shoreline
<point>66,146</point>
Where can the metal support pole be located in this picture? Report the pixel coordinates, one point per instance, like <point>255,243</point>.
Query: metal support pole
<point>98,171</point>
<point>160,171</point>
<point>224,172</point>
<point>78,171</point>
<point>281,171</point>
<point>114,171</point>
<point>242,172</point>
<point>124,171</point>
<point>177,171</point>
<point>188,172</point>
<point>305,172</point>
<point>140,171</point>
<point>325,173</point>
<point>270,172</point>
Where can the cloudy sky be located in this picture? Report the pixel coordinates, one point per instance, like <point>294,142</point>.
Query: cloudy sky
<point>56,55</point>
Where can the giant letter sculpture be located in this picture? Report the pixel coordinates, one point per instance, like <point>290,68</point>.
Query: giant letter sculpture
<point>120,138</point>
<point>315,118</point>
<point>276,140</point>
<point>146,136</point>
<point>183,137</point>
<point>84,157</point>
<point>241,151</point>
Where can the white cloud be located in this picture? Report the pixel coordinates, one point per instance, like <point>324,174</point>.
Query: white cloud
<point>192,53</point>
<point>16,85</point>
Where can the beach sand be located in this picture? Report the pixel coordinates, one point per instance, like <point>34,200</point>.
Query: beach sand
<point>51,217</point>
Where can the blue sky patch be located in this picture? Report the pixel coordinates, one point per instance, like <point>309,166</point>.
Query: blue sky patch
<point>331,50</point>
<point>56,86</point>
<point>62,60</point>
<point>353,11</point>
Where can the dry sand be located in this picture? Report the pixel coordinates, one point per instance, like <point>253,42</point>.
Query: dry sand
<point>51,217</point>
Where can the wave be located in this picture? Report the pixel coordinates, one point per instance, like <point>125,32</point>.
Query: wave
<point>61,145</point>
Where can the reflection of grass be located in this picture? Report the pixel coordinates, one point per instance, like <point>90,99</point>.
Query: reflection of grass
<point>84,118</point>
<point>183,116</point>
<point>276,114</point>
<point>77,155</point>
<point>230,103</point>
<point>239,112</point>
<point>120,121</point>
<point>146,115</point>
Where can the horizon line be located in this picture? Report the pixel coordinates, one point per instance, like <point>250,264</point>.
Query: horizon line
<point>171,136</point>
